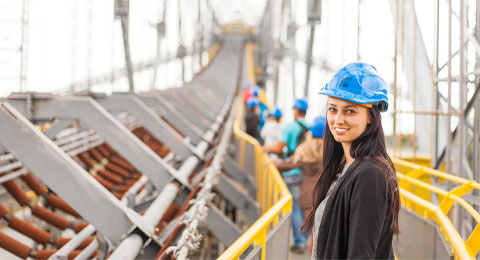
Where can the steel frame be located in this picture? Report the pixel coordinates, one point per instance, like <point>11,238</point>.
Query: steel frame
<point>117,135</point>
<point>74,181</point>
<point>148,118</point>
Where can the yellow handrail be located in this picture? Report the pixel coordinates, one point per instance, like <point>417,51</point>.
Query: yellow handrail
<point>472,245</point>
<point>459,248</point>
<point>433,172</point>
<point>272,195</point>
<point>272,192</point>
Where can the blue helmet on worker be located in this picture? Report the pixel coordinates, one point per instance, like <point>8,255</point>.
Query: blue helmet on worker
<point>253,102</point>
<point>276,112</point>
<point>318,127</point>
<point>359,83</point>
<point>256,91</point>
<point>300,104</point>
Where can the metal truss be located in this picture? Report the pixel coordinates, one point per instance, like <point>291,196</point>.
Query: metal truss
<point>89,112</point>
<point>74,184</point>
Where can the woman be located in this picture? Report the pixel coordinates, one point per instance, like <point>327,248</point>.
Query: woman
<point>356,199</point>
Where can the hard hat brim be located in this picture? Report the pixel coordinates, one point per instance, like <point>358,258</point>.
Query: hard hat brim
<point>362,100</point>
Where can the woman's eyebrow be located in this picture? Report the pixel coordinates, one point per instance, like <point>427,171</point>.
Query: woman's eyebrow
<point>347,106</point>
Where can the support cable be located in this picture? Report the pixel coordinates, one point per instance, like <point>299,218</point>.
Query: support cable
<point>190,238</point>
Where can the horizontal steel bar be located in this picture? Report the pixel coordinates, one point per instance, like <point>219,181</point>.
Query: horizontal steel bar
<point>13,175</point>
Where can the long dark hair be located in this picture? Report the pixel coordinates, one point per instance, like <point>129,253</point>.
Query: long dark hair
<point>369,145</point>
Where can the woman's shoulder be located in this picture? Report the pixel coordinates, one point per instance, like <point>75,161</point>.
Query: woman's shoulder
<point>370,169</point>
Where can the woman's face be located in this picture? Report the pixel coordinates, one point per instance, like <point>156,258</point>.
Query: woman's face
<point>346,120</point>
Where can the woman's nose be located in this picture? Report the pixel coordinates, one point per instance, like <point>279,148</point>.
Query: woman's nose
<point>339,118</point>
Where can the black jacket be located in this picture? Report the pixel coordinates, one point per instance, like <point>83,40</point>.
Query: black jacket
<point>252,121</point>
<point>355,223</point>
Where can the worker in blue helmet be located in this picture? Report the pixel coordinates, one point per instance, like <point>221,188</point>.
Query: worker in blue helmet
<point>318,127</point>
<point>272,129</point>
<point>308,156</point>
<point>263,108</point>
<point>293,134</point>
<point>356,206</point>
<point>252,119</point>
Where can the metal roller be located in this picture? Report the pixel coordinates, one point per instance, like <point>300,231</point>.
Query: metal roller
<point>29,230</point>
<point>13,246</point>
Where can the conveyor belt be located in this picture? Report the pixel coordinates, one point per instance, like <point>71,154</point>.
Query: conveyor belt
<point>95,163</point>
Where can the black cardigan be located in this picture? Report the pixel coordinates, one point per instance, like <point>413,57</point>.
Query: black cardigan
<point>355,223</point>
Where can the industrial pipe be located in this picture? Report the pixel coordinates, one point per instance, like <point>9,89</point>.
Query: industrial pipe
<point>74,242</point>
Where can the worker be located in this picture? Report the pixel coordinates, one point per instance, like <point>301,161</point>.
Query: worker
<point>308,156</point>
<point>256,91</point>
<point>356,199</point>
<point>272,129</point>
<point>293,134</point>
<point>252,119</point>
<point>248,91</point>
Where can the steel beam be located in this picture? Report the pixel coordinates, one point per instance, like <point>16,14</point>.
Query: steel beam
<point>189,112</point>
<point>421,76</point>
<point>239,198</point>
<point>152,122</point>
<point>180,122</point>
<point>193,102</point>
<point>78,188</point>
<point>222,227</point>
<point>111,130</point>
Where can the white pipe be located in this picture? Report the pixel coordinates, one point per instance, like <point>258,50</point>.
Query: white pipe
<point>134,189</point>
<point>74,242</point>
<point>87,251</point>
<point>158,207</point>
<point>129,248</point>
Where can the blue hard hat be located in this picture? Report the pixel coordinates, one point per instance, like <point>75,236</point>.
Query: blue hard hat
<point>318,126</point>
<point>360,83</point>
<point>253,102</point>
<point>276,112</point>
<point>300,104</point>
<point>255,91</point>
